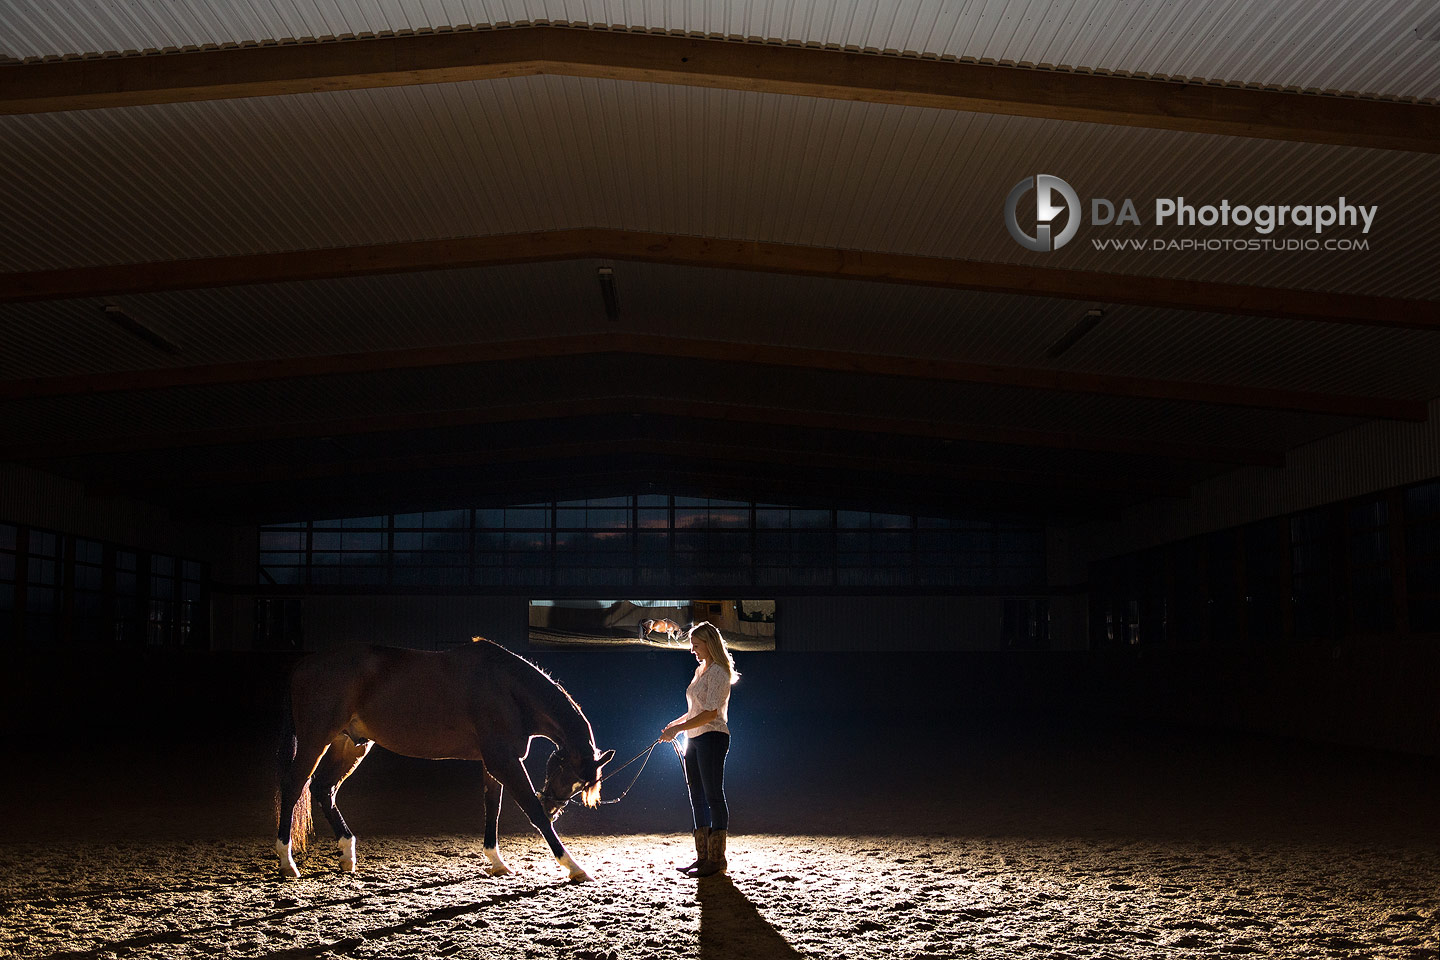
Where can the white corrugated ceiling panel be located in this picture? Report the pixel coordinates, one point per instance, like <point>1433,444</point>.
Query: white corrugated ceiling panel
<point>1368,47</point>
<point>179,181</point>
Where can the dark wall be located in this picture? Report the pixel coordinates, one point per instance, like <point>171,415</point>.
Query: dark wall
<point>71,696</point>
<point>197,695</point>
<point>810,624</point>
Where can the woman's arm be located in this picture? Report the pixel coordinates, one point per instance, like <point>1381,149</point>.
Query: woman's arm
<point>690,723</point>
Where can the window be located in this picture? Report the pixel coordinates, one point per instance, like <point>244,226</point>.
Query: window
<point>794,546</point>
<point>57,589</point>
<point>1313,581</point>
<point>1422,556</point>
<point>88,619</point>
<point>278,623</point>
<point>1222,571</point>
<point>193,625</point>
<point>432,548</point>
<point>1371,592</point>
<point>612,543</point>
<point>513,545</point>
<point>594,543</point>
<point>9,578</point>
<point>42,588</point>
<point>874,549</point>
<point>128,620</point>
<point>284,548</point>
<point>350,552</point>
<point>1265,582</point>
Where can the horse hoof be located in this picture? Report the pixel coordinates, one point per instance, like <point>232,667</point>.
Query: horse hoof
<point>577,873</point>
<point>498,870</point>
<point>287,861</point>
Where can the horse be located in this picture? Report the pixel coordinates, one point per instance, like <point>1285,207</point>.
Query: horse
<point>476,702</point>
<point>669,628</point>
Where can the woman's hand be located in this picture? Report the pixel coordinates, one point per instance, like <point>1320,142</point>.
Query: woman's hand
<point>669,733</point>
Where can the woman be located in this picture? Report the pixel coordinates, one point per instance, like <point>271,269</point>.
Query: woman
<point>708,699</point>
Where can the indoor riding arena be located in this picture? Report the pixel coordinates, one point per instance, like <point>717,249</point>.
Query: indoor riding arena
<point>600,480</point>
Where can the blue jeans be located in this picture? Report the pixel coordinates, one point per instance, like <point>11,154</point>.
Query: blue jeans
<point>705,776</point>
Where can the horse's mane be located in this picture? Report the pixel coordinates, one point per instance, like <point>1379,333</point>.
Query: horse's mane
<point>555,695</point>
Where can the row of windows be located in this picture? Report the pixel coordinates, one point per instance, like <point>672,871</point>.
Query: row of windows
<point>1369,566</point>
<point>652,540</point>
<point>56,588</point>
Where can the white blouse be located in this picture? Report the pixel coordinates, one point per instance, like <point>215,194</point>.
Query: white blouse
<point>709,690</point>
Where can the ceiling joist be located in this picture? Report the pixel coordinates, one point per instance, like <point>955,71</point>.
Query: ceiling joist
<point>717,253</point>
<point>720,351</point>
<point>451,57</point>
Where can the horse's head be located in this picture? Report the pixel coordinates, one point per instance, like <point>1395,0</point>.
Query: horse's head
<point>568,773</point>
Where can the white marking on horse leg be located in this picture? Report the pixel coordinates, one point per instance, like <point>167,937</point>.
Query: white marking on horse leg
<point>287,862</point>
<point>576,871</point>
<point>498,867</point>
<point>347,854</point>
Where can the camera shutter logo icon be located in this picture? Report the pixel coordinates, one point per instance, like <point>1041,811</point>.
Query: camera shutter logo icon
<point>1045,187</point>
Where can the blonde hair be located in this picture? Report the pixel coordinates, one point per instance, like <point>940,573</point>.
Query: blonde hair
<point>719,652</point>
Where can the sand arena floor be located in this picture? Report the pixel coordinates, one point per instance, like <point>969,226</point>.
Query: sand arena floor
<point>1171,846</point>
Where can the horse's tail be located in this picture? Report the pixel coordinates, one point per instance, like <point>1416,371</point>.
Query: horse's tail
<point>302,825</point>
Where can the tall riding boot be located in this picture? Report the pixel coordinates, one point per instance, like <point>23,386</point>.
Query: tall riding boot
<point>702,844</point>
<point>714,861</point>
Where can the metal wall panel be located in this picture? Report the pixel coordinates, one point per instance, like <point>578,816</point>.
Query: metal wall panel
<point>848,624</point>
<point>1365,459</point>
<point>54,503</point>
<point>421,623</point>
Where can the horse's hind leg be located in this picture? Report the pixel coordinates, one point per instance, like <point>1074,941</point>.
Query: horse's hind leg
<point>494,790</point>
<point>306,756</point>
<point>341,760</point>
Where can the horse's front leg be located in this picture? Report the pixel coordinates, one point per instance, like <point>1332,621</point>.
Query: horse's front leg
<point>511,773</point>
<point>494,790</point>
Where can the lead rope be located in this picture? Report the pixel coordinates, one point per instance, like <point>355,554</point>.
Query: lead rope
<point>643,753</point>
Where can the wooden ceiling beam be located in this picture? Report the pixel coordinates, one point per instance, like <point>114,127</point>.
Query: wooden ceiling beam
<point>469,55</point>
<point>649,406</point>
<point>722,254</point>
<point>719,351</point>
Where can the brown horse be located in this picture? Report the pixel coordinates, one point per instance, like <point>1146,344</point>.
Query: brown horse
<point>669,628</point>
<point>476,702</point>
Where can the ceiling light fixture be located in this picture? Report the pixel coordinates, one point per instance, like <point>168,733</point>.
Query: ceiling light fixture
<point>135,328</point>
<point>1073,335</point>
<point>606,276</point>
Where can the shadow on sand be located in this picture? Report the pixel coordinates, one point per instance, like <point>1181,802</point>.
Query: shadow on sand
<point>196,936</point>
<point>731,927</point>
